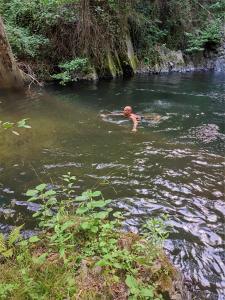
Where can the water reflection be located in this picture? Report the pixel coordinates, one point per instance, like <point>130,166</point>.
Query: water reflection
<point>165,168</point>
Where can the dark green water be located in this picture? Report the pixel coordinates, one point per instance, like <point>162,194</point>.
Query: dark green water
<point>165,168</point>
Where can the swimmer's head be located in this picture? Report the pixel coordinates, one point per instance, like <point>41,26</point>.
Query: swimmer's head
<point>127,111</point>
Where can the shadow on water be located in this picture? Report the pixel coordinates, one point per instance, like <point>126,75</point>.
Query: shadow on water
<point>165,168</point>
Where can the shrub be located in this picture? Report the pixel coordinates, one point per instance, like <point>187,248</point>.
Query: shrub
<point>73,70</point>
<point>25,44</point>
<point>204,38</point>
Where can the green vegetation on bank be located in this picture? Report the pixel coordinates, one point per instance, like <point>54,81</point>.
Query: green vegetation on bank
<point>82,252</point>
<point>71,38</point>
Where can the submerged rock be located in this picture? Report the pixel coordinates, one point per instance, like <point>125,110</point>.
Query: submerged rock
<point>207,133</point>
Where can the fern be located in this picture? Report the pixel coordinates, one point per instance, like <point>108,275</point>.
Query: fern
<point>2,243</point>
<point>6,248</point>
<point>8,253</point>
<point>14,236</point>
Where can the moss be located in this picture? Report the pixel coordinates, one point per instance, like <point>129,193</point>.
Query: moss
<point>130,54</point>
<point>113,64</point>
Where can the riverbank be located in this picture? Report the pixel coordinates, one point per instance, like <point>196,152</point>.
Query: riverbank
<point>82,252</point>
<point>74,40</point>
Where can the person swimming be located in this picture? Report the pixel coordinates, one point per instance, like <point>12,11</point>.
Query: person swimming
<point>135,118</point>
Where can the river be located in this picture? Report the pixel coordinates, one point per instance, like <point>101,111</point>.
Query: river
<point>166,167</point>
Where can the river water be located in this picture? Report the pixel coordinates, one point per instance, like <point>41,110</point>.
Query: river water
<point>171,166</point>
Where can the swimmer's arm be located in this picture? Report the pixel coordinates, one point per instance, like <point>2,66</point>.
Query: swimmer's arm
<point>135,123</point>
<point>111,114</point>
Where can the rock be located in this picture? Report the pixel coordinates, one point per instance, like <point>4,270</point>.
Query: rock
<point>207,133</point>
<point>179,291</point>
<point>167,61</point>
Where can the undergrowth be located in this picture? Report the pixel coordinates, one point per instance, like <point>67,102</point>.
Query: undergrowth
<point>45,34</point>
<point>82,252</point>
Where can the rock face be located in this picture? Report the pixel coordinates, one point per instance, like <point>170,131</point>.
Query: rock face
<point>219,61</point>
<point>177,61</point>
<point>167,61</point>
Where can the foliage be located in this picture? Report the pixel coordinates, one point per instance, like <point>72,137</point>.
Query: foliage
<point>24,43</point>
<point>218,8</point>
<point>201,39</point>
<point>73,70</point>
<point>156,230</point>
<point>7,246</point>
<point>82,246</point>
<point>83,33</point>
<point>137,291</point>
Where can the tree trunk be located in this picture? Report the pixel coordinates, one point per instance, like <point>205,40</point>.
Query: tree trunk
<point>10,75</point>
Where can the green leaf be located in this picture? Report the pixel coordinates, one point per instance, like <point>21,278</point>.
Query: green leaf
<point>23,243</point>
<point>99,203</point>
<point>8,253</point>
<point>31,193</point>
<point>86,225</point>
<point>81,198</point>
<point>34,239</point>
<point>147,292</point>
<point>117,265</point>
<point>81,210</point>
<point>50,193</point>
<point>102,263</point>
<point>40,260</point>
<point>94,229</point>
<point>96,194</point>
<point>101,215</point>
<point>22,124</point>
<point>47,213</point>
<point>62,252</point>
<point>118,215</point>
<point>131,282</point>
<point>36,214</point>
<point>52,201</point>
<point>41,187</point>
<point>7,125</point>
<point>14,235</point>
<point>2,243</point>
<point>67,225</point>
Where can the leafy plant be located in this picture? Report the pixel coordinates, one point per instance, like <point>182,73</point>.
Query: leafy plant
<point>81,234</point>
<point>139,291</point>
<point>24,43</point>
<point>203,38</point>
<point>6,289</point>
<point>7,245</point>
<point>156,231</point>
<point>73,70</point>
<point>48,201</point>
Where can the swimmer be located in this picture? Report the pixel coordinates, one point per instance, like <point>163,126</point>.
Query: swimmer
<point>135,118</point>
